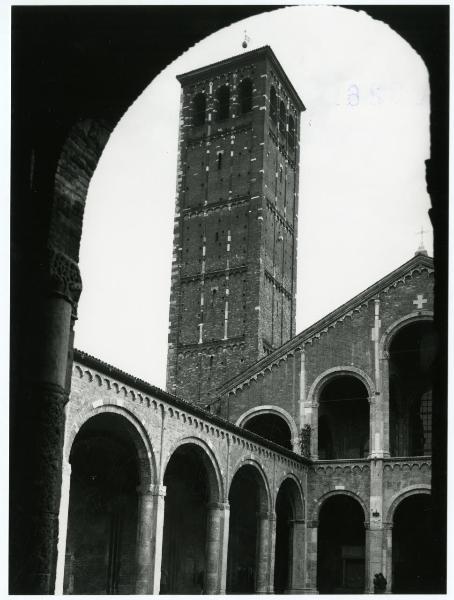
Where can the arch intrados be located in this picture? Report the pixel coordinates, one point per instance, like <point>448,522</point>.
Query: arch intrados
<point>209,461</point>
<point>295,494</point>
<point>397,326</point>
<point>399,497</point>
<point>260,478</point>
<point>145,455</point>
<point>273,410</point>
<point>331,494</point>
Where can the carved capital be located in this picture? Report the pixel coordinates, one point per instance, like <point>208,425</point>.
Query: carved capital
<point>64,276</point>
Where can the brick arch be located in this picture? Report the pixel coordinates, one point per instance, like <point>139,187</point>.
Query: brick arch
<point>316,509</point>
<point>319,383</point>
<point>299,503</point>
<point>77,162</point>
<point>396,326</point>
<point>210,461</point>
<point>142,443</point>
<point>347,370</point>
<point>264,486</point>
<point>272,410</point>
<point>412,490</point>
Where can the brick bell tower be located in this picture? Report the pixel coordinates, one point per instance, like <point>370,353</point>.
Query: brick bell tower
<point>235,232</point>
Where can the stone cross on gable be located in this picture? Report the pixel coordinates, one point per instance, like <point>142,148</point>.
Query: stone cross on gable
<point>421,232</point>
<point>420,301</point>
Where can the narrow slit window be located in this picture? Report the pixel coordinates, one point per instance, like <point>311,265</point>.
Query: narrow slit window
<point>282,118</point>
<point>291,134</point>
<point>273,105</point>
<point>223,98</point>
<point>199,109</point>
<point>245,93</point>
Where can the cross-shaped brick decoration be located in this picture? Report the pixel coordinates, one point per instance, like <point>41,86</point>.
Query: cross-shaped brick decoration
<point>420,301</point>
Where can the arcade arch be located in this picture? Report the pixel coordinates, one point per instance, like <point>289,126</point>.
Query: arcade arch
<point>249,531</point>
<point>289,508</point>
<point>108,469</point>
<point>271,422</point>
<point>412,543</point>
<point>411,347</point>
<point>191,523</point>
<point>341,545</point>
<point>343,418</point>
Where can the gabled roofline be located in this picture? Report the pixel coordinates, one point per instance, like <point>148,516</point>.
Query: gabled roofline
<point>364,296</point>
<point>239,59</point>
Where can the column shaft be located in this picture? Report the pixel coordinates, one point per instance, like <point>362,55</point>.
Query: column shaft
<point>311,557</point>
<point>296,583</point>
<point>215,572</point>
<point>63,528</point>
<point>262,577</point>
<point>225,549</point>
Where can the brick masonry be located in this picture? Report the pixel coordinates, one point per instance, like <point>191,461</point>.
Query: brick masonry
<point>234,258</point>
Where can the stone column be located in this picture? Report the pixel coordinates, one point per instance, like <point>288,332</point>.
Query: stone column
<point>225,548</point>
<point>314,432</point>
<point>158,493</point>
<point>216,548</point>
<point>262,576</point>
<point>374,526</point>
<point>388,555</point>
<point>44,421</point>
<point>384,395</point>
<point>144,542</point>
<point>63,528</point>
<point>271,552</point>
<point>311,557</point>
<point>150,523</point>
<point>297,570</point>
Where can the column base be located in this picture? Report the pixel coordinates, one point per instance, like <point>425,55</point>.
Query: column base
<point>306,590</point>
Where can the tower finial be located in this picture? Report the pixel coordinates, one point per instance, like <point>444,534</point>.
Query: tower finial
<point>421,249</point>
<point>246,40</point>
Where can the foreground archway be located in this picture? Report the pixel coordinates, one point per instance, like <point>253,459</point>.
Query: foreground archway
<point>101,542</point>
<point>289,548</point>
<point>192,490</point>
<point>341,546</point>
<point>343,419</point>
<point>412,535</point>
<point>247,562</point>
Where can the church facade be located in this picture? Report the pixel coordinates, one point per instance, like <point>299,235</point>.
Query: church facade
<point>275,462</point>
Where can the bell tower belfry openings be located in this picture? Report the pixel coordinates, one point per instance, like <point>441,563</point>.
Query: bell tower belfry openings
<point>234,255</point>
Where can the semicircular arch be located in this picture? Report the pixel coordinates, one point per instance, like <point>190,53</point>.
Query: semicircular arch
<point>270,409</point>
<point>264,486</point>
<point>399,324</point>
<point>398,497</point>
<point>340,371</point>
<point>139,436</point>
<point>330,494</point>
<point>298,496</point>
<point>209,459</point>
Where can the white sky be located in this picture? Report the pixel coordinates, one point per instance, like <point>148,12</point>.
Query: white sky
<point>362,187</point>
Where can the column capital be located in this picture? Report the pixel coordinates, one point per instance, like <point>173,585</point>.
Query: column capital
<point>147,489</point>
<point>64,276</point>
<point>218,505</point>
<point>265,515</point>
<point>313,523</point>
<point>297,521</point>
